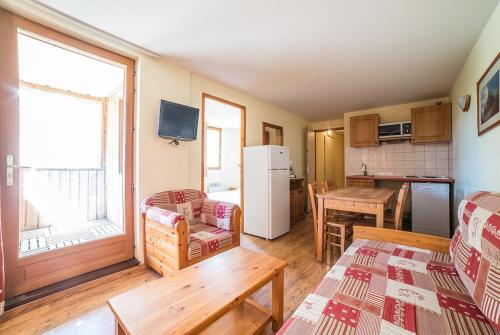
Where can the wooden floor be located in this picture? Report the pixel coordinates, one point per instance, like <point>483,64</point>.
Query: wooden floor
<point>83,309</point>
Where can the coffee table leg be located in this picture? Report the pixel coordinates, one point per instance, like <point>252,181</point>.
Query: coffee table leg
<point>277,302</point>
<point>118,329</point>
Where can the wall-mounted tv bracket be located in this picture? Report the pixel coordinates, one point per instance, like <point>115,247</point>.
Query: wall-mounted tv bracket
<point>174,143</point>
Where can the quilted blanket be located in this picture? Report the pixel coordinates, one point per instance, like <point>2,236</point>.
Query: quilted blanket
<point>383,288</point>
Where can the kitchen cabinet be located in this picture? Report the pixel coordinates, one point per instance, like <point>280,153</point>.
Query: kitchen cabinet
<point>431,124</point>
<point>364,130</point>
<point>297,200</point>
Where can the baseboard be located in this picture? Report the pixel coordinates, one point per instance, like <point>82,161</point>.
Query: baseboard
<point>68,283</point>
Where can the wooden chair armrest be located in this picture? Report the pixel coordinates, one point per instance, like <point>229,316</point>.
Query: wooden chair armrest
<point>236,224</point>
<point>177,235</point>
<point>423,241</point>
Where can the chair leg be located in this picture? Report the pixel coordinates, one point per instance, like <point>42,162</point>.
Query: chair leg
<point>325,236</point>
<point>342,240</point>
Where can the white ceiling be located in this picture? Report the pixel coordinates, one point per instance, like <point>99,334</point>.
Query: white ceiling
<point>315,58</point>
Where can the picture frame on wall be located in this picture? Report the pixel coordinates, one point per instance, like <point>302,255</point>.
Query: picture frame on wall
<point>488,106</point>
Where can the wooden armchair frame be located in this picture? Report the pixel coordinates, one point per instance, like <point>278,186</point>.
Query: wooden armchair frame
<point>166,248</point>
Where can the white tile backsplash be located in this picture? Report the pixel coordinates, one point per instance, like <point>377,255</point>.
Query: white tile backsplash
<point>419,156</point>
<point>399,156</point>
<point>402,159</point>
<point>442,155</point>
<point>430,155</point>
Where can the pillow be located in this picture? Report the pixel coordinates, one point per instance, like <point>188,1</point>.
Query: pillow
<point>217,214</point>
<point>475,251</point>
<point>187,202</point>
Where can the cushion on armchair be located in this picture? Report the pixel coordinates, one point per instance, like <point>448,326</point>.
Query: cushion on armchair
<point>217,214</point>
<point>205,239</point>
<point>163,216</point>
<point>475,251</point>
<point>186,202</point>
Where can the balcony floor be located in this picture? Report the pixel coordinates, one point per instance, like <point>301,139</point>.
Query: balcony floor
<point>44,239</point>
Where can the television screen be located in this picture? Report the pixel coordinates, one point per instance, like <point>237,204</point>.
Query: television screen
<point>177,121</point>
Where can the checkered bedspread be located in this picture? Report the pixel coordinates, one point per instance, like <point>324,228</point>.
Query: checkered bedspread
<point>384,288</point>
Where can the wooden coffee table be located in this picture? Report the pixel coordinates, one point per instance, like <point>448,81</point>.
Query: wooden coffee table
<point>210,297</point>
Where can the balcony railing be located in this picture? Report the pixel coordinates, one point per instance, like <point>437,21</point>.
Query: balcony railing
<point>67,198</point>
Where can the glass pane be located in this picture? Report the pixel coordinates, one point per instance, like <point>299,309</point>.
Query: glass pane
<point>213,148</point>
<point>70,148</point>
<point>77,121</point>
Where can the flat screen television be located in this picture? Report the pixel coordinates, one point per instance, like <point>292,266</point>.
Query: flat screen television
<point>177,122</point>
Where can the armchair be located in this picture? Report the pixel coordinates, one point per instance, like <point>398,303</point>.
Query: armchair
<point>184,227</point>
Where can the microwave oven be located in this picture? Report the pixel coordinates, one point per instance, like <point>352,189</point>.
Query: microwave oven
<point>394,130</point>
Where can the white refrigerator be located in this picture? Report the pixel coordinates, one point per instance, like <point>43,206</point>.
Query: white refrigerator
<point>266,191</point>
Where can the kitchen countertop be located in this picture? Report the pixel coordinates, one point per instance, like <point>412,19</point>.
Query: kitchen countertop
<point>448,180</point>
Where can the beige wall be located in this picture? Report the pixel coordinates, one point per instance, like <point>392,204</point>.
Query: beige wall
<point>163,167</point>
<point>477,158</point>
<point>294,127</point>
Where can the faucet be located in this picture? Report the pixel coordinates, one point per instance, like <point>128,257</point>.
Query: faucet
<point>365,169</point>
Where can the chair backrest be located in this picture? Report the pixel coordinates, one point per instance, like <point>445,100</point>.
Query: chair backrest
<point>400,206</point>
<point>332,185</point>
<point>187,202</point>
<point>315,188</point>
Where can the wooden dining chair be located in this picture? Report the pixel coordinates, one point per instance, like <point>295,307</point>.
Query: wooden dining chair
<point>337,228</point>
<point>396,221</point>
<point>400,206</point>
<point>313,189</point>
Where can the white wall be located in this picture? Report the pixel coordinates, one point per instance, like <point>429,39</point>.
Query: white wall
<point>477,158</point>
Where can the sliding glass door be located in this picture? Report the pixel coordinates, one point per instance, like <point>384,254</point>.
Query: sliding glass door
<point>67,149</point>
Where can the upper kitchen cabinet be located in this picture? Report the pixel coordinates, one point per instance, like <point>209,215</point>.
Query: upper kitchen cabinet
<point>431,124</point>
<point>364,130</point>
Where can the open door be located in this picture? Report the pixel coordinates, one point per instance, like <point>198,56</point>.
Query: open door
<point>311,160</point>
<point>222,141</point>
<point>66,155</point>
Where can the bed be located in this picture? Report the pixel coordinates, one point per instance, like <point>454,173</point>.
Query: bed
<point>232,196</point>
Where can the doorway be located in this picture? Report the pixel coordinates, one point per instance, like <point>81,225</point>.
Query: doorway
<point>223,139</point>
<point>67,143</point>
<point>329,161</point>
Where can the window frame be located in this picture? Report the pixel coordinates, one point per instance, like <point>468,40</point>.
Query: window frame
<point>219,161</point>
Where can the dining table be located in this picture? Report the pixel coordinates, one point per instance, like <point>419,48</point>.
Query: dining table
<point>365,200</point>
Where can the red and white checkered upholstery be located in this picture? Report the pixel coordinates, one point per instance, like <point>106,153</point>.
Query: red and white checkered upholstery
<point>186,202</point>
<point>217,214</point>
<point>205,239</point>
<point>163,216</point>
<point>384,288</point>
<point>209,221</point>
<point>475,251</point>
